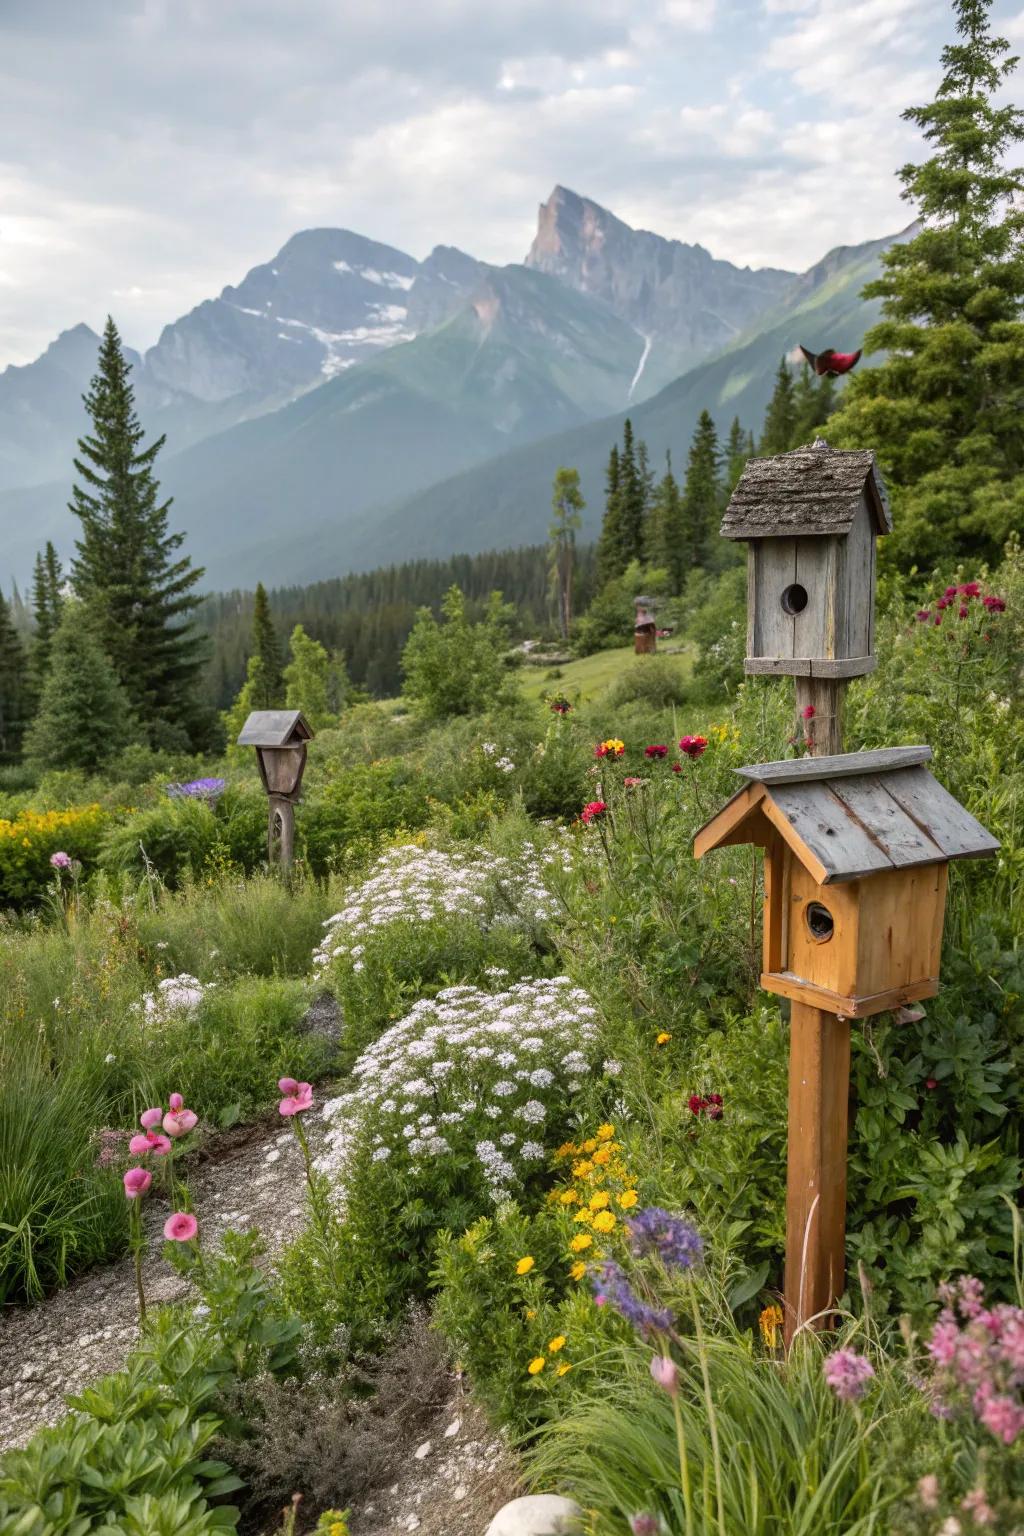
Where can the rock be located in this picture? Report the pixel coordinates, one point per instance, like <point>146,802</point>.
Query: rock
<point>453,1428</point>
<point>423,1451</point>
<point>538,1514</point>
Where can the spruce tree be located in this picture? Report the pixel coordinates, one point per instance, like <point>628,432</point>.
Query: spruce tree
<point>668,542</point>
<point>945,411</point>
<point>266,675</point>
<point>611,560</point>
<point>567,506</point>
<point>308,679</point>
<point>780,417</point>
<point>738,449</point>
<point>47,598</point>
<point>632,495</point>
<point>701,492</point>
<point>813,404</point>
<point>84,714</point>
<point>14,687</point>
<point>128,569</point>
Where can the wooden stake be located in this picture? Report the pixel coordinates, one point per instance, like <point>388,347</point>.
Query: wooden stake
<point>823,731</point>
<point>819,1090</point>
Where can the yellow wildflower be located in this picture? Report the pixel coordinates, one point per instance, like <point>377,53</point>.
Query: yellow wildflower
<point>524,1266</point>
<point>530,1314</point>
<point>604,1221</point>
<point>584,1214</point>
<point>580,1170</point>
<point>567,1149</point>
<point>605,1132</point>
<point>555,1344</point>
<point>537,1365</point>
<point>628,1199</point>
<point>599,1200</point>
<point>563,1368</point>
<point>578,1270</point>
<point>770,1322</point>
<point>583,1240</point>
<point>603,1156</point>
<point>568,1197</point>
<point>663,1038</point>
<point>590,1145</point>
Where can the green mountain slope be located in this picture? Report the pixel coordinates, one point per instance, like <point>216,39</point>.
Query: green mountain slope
<point>510,495</point>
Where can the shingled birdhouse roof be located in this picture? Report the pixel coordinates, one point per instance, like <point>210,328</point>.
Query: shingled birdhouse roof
<point>275,728</point>
<point>816,490</point>
<point>856,814</point>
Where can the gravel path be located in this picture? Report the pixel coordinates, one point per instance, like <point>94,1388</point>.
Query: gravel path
<point>252,1177</point>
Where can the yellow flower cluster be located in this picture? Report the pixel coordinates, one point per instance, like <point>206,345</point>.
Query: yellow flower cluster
<point>28,840</point>
<point>44,826</point>
<point>600,1190</point>
<point>770,1321</point>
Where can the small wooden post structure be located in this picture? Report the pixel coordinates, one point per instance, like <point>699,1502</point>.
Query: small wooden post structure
<point>856,854</point>
<point>645,631</point>
<point>856,845</point>
<point>279,737</point>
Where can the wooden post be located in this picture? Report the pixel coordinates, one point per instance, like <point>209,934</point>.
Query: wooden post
<point>281,832</point>
<point>819,1088</point>
<point>823,730</point>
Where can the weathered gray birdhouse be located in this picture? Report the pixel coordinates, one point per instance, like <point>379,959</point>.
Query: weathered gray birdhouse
<point>810,519</point>
<point>645,631</point>
<point>280,737</point>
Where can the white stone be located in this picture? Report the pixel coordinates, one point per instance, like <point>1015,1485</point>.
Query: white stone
<point>273,1155</point>
<point>539,1514</point>
<point>423,1451</point>
<point>460,1493</point>
<point>453,1428</point>
<point>412,1523</point>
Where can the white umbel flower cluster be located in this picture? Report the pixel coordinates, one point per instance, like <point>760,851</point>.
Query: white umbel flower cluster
<point>176,997</point>
<point>470,1073</point>
<point>422,885</point>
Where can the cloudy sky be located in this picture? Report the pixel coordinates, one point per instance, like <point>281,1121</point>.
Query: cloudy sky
<point>153,150</point>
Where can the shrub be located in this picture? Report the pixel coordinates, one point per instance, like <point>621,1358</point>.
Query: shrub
<point>173,838</point>
<point>28,840</point>
<point>456,667</point>
<point>658,681</point>
<point>359,811</point>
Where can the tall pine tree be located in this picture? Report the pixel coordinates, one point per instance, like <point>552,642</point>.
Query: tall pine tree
<point>945,411</point>
<point>267,677</point>
<point>701,492</point>
<point>128,569</point>
<point>47,598</point>
<point>14,688</point>
<point>780,417</point>
<point>668,542</point>
<point>611,561</point>
<point>84,714</point>
<point>738,449</point>
<point>633,490</point>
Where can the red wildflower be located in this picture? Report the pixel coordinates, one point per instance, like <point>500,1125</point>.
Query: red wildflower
<point>969,589</point>
<point>807,712</point>
<point>944,602</point>
<point>591,811</point>
<point>938,620</point>
<point>631,781</point>
<point>696,1103</point>
<point>923,615</point>
<point>560,706</point>
<point>994,604</point>
<point>655,751</point>
<point>693,746</point>
<point>962,611</point>
<point>931,1082</point>
<point>677,767</point>
<point>949,592</point>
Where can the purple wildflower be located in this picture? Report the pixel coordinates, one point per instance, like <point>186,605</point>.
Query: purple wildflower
<point>60,860</point>
<point>673,1240</point>
<point>197,789</point>
<point>645,1524</point>
<point>848,1374</point>
<point>614,1290</point>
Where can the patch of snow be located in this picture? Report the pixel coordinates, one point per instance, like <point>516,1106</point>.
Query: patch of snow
<point>243,311</point>
<point>341,266</point>
<point>386,279</point>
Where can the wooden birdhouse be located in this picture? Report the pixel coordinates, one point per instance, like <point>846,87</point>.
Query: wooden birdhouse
<point>856,854</point>
<point>279,737</point>
<point>810,519</point>
<point>645,631</point>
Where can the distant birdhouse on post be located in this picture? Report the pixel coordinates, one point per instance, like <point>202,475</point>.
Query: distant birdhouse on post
<point>279,737</point>
<point>810,520</point>
<point>645,631</point>
<point>856,854</point>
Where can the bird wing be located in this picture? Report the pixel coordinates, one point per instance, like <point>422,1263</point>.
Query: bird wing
<point>809,356</point>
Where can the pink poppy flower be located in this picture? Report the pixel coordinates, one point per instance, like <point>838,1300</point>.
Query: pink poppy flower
<point>175,1102</point>
<point>136,1182</point>
<point>299,1099</point>
<point>180,1122</point>
<point>151,1141</point>
<point>287,1085</point>
<point>181,1227</point>
<point>150,1119</point>
<point>666,1373</point>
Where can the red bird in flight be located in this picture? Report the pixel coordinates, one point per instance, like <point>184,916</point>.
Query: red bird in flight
<point>830,361</point>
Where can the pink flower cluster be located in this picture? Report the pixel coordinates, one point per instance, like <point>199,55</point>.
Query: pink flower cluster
<point>979,1355</point>
<point>591,811</point>
<point>961,597</point>
<point>693,746</point>
<point>706,1104</point>
<point>177,1121</point>
<point>848,1374</point>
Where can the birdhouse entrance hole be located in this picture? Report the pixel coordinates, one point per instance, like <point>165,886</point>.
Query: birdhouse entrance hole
<point>794,599</point>
<point>820,922</point>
